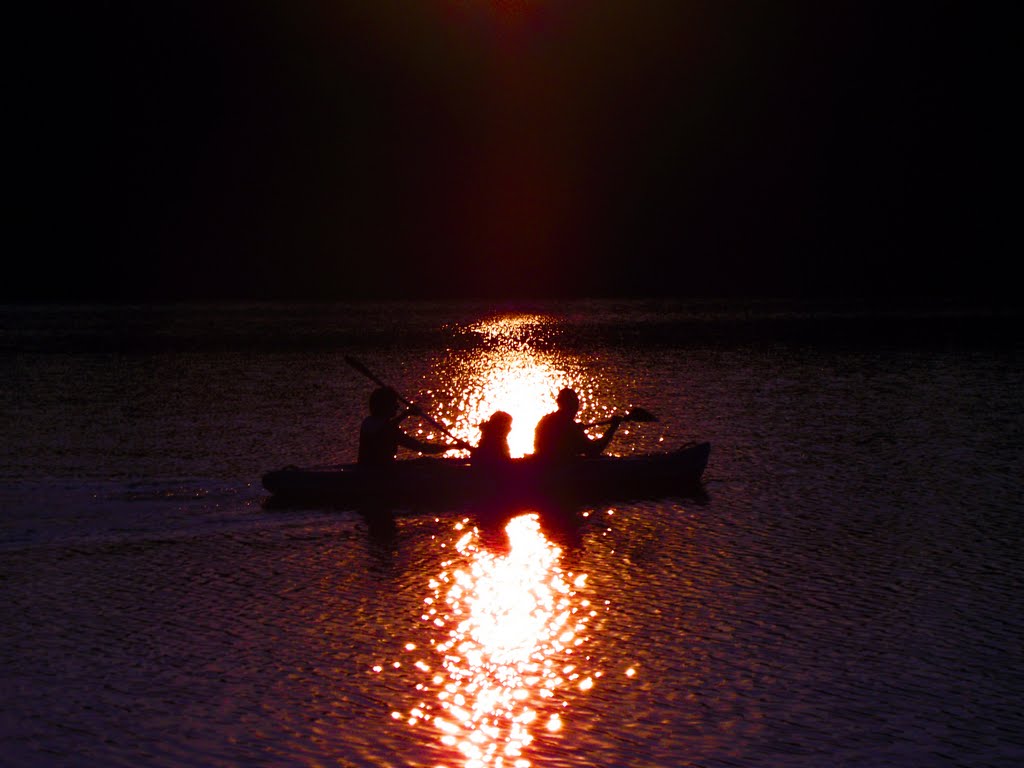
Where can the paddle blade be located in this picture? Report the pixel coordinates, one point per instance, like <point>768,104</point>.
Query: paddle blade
<point>640,414</point>
<point>369,374</point>
<point>360,367</point>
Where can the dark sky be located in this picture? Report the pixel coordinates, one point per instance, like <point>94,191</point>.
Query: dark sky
<point>210,149</point>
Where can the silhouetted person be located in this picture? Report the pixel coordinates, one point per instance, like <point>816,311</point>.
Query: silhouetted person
<point>493,445</point>
<point>559,437</point>
<point>380,434</point>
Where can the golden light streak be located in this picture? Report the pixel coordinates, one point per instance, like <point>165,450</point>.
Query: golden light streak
<point>509,631</point>
<point>518,383</point>
<point>510,374</point>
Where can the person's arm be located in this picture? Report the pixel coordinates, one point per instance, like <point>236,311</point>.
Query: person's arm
<point>408,441</point>
<point>413,444</point>
<point>432,449</point>
<point>412,410</point>
<point>597,445</point>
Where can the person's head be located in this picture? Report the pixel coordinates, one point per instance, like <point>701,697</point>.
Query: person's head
<point>568,400</point>
<point>499,425</point>
<point>384,402</point>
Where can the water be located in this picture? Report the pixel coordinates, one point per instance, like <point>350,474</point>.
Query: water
<point>848,593</point>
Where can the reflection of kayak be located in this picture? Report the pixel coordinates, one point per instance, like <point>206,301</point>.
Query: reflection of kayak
<point>432,482</point>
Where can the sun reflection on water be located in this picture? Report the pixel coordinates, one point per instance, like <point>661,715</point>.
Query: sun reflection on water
<point>510,374</point>
<point>510,629</point>
<point>520,384</point>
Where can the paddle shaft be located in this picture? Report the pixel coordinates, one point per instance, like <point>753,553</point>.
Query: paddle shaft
<point>634,414</point>
<point>408,404</point>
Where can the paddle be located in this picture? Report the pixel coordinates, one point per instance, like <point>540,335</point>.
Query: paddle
<point>635,413</point>
<point>408,404</point>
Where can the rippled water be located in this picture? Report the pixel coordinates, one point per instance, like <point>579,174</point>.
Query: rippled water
<point>848,593</point>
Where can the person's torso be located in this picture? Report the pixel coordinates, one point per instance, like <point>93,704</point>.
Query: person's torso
<point>558,436</point>
<point>378,441</point>
<point>491,448</point>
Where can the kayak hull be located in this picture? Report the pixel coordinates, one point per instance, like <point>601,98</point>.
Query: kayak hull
<point>432,483</point>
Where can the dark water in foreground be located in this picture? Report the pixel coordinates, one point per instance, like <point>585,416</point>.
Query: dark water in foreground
<point>849,593</point>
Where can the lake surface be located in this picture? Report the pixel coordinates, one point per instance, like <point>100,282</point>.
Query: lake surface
<point>848,592</point>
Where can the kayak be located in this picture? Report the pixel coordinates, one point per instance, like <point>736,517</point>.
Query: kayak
<point>432,483</point>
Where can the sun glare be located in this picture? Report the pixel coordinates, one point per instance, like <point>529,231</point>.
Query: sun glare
<point>508,633</point>
<point>516,383</point>
<point>509,374</point>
